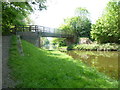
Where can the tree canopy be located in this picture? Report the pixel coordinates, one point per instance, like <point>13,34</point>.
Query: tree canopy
<point>106,29</point>
<point>79,25</point>
<point>81,12</point>
<point>14,13</point>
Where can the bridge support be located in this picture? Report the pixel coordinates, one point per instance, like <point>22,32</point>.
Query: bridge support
<point>32,33</point>
<point>32,37</point>
<point>71,40</point>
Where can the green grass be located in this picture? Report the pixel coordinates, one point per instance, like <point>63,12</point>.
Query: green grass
<point>52,69</point>
<point>99,47</point>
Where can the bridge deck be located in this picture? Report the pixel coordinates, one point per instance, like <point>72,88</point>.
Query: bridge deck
<point>43,31</point>
<point>47,34</point>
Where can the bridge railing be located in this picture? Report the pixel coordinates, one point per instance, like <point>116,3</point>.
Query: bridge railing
<point>38,28</point>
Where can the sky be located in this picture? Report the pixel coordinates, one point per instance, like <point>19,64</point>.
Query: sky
<point>58,10</point>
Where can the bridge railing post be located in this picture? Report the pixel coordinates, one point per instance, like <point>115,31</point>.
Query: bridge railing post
<point>35,28</point>
<point>43,29</point>
<point>23,28</point>
<point>54,31</point>
<point>29,27</point>
<point>49,30</point>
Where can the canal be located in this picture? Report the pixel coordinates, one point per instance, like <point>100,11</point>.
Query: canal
<point>104,61</point>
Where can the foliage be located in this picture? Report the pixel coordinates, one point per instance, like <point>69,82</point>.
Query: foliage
<point>62,48</point>
<point>106,29</point>
<point>82,12</point>
<point>52,69</point>
<point>59,41</point>
<point>78,25</point>
<point>70,47</point>
<point>14,13</point>
<point>39,4</point>
<point>99,47</point>
<point>44,41</point>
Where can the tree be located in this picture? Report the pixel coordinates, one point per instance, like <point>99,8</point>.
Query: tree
<point>106,29</point>
<point>82,12</point>
<point>79,25</point>
<point>83,24</point>
<point>46,42</point>
<point>14,13</point>
<point>59,41</point>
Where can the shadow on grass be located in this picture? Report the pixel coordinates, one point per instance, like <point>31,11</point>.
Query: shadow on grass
<point>52,69</point>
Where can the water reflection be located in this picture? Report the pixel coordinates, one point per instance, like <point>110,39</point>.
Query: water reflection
<point>106,62</point>
<point>50,47</point>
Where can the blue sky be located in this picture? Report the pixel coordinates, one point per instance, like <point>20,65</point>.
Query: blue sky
<point>58,10</point>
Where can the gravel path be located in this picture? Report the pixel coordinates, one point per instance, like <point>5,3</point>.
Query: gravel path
<point>7,82</point>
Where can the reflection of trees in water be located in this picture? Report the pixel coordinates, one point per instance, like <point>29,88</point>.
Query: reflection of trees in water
<point>98,53</point>
<point>94,62</point>
<point>106,62</point>
<point>110,71</point>
<point>50,47</point>
<point>46,46</point>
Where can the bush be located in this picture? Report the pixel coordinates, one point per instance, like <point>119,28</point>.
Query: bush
<point>70,47</point>
<point>100,47</point>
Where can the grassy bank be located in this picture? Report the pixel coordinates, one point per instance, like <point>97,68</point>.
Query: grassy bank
<point>98,47</point>
<point>52,69</point>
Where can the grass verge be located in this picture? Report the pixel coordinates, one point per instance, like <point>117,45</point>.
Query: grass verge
<point>52,69</point>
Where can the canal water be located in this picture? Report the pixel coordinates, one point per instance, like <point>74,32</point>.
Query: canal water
<point>104,61</point>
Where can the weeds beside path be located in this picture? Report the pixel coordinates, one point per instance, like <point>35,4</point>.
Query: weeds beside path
<point>52,69</point>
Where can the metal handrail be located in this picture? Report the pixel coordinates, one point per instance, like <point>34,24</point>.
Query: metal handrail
<point>38,28</point>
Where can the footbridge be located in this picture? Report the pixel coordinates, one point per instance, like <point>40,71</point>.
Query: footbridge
<point>42,31</point>
<point>32,33</point>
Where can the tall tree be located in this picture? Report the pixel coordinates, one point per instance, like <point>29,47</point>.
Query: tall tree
<point>82,12</point>
<point>79,25</point>
<point>106,29</point>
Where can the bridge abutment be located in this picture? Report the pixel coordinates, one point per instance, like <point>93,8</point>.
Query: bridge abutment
<point>32,33</point>
<point>71,40</point>
<point>32,37</point>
